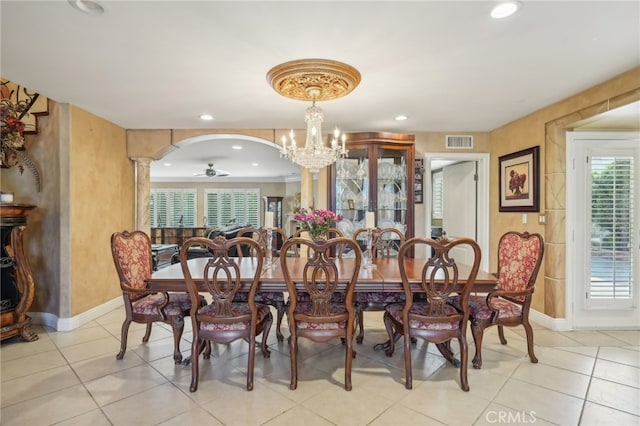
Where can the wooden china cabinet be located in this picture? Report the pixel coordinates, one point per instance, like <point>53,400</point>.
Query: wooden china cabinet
<point>376,175</point>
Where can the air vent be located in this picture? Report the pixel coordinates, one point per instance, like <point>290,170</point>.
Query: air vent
<point>459,141</point>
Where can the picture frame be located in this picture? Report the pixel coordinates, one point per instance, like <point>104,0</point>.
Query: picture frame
<point>417,198</point>
<point>352,204</point>
<point>518,177</point>
<point>417,181</point>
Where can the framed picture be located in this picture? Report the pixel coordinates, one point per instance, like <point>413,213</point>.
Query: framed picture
<point>352,204</point>
<point>519,181</point>
<point>417,198</point>
<point>417,186</point>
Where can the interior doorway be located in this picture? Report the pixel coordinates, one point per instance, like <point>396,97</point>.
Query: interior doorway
<point>466,216</point>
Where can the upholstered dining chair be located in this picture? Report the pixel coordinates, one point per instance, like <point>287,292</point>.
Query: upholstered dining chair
<point>385,242</point>
<point>273,298</point>
<point>132,257</point>
<point>519,259</point>
<point>224,320</point>
<point>324,317</point>
<point>435,319</point>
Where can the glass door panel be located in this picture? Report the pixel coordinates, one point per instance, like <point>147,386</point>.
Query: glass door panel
<point>392,189</point>
<point>352,190</point>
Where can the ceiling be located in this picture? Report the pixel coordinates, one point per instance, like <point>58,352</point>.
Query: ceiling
<point>446,65</point>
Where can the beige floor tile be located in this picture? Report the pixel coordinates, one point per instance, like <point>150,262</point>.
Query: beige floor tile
<point>50,408</point>
<point>619,373</point>
<point>30,364</point>
<point>595,414</point>
<point>615,395</point>
<point>553,339</point>
<point>566,359</point>
<point>310,383</point>
<point>84,334</point>
<point>629,337</point>
<point>357,407</point>
<point>195,416</point>
<point>548,405</point>
<point>558,379</point>
<point>93,368</point>
<point>621,355</point>
<point>16,348</point>
<point>298,416</point>
<point>242,407</point>
<point>591,351</point>
<point>91,349</point>
<point>37,384</point>
<point>443,401</point>
<point>151,407</point>
<point>592,338</point>
<point>93,418</point>
<point>122,384</point>
<point>400,415</point>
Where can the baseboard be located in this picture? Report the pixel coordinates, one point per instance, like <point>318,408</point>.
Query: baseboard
<point>67,324</point>
<point>555,324</point>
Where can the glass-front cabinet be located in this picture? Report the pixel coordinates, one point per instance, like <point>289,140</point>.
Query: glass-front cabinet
<point>376,175</point>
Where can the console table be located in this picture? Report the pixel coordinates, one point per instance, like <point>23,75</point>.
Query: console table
<point>17,281</point>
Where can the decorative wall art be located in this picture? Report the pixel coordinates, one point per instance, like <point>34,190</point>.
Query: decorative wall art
<point>519,181</point>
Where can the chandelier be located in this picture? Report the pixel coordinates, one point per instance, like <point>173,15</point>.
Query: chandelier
<point>314,80</point>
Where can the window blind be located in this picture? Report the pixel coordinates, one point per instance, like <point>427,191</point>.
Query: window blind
<point>171,207</point>
<point>228,206</point>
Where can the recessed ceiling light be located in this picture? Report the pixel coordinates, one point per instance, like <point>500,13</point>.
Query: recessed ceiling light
<point>505,9</point>
<point>236,147</point>
<point>401,117</point>
<point>255,164</point>
<point>87,6</point>
<point>206,117</point>
<point>166,164</point>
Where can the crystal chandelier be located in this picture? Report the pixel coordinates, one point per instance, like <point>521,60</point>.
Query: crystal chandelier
<point>314,80</point>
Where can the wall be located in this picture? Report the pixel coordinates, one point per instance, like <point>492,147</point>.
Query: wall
<point>546,128</point>
<point>102,202</point>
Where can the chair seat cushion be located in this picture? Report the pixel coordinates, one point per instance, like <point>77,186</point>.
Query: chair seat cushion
<point>268,297</point>
<point>478,308</point>
<point>379,297</point>
<point>239,309</point>
<point>395,310</point>
<point>334,308</point>
<point>178,304</point>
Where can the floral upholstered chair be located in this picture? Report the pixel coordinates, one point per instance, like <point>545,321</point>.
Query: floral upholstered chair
<point>225,320</point>
<point>132,257</point>
<point>273,298</point>
<point>519,259</point>
<point>435,319</point>
<point>384,243</point>
<point>321,317</point>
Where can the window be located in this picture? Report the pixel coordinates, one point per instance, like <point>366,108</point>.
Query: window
<point>171,207</point>
<point>227,206</point>
<point>436,192</point>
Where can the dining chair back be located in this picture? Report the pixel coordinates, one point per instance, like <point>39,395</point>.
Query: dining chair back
<point>436,319</point>
<point>385,243</point>
<point>225,320</point>
<point>519,259</point>
<point>322,317</point>
<point>272,298</point>
<point>133,259</point>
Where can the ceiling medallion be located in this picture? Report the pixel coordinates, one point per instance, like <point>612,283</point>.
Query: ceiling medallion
<point>313,79</point>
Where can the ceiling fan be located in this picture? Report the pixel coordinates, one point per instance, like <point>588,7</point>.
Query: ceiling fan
<point>211,172</point>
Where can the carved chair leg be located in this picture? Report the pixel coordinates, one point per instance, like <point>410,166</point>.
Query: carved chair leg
<point>196,346</point>
<point>348,362</point>
<point>281,308</point>
<point>360,317</point>
<point>407,361</point>
<point>265,334</point>
<point>293,349</point>
<point>123,338</point>
<point>464,357</point>
<point>252,359</point>
<point>501,335</point>
<point>477,332</point>
<point>147,333</point>
<point>177,324</point>
<point>391,331</point>
<point>529,330</point>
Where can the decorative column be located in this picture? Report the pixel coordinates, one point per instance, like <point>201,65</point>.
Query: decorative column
<point>143,185</point>
<point>306,188</point>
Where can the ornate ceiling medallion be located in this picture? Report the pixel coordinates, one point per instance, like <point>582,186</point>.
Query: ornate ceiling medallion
<point>313,79</point>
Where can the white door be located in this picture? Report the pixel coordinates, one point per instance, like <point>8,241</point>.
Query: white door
<point>603,229</point>
<point>459,207</point>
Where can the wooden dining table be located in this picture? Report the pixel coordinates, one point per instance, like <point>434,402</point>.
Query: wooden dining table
<point>383,276</point>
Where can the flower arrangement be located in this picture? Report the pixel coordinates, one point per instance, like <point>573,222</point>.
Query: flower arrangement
<point>12,151</point>
<point>316,222</point>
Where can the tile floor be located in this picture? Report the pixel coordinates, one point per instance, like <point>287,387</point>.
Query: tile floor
<point>73,378</point>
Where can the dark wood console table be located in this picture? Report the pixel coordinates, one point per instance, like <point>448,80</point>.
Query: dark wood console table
<point>17,281</point>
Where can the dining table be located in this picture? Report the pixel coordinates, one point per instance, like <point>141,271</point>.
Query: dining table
<point>382,275</point>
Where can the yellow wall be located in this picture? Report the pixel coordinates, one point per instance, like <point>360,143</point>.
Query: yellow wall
<point>546,128</point>
<point>102,200</point>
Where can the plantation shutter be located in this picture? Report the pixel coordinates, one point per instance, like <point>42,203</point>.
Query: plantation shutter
<point>612,227</point>
<point>228,206</point>
<point>437,196</point>
<point>172,207</point>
